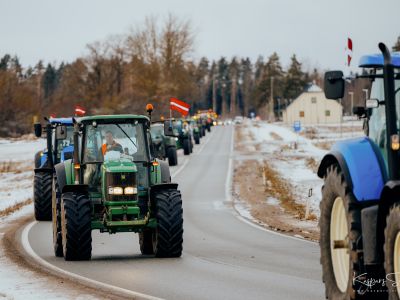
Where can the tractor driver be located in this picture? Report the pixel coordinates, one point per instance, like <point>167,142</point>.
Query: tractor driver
<point>111,144</point>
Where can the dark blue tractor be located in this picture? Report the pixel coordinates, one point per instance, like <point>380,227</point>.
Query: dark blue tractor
<point>360,207</point>
<point>59,135</point>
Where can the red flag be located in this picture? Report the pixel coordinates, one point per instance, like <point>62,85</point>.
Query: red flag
<point>179,106</point>
<point>349,50</point>
<point>79,111</point>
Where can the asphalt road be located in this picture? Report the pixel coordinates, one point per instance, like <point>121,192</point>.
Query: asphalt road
<point>223,258</point>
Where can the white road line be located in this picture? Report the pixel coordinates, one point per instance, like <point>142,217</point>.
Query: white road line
<point>81,279</point>
<point>236,213</point>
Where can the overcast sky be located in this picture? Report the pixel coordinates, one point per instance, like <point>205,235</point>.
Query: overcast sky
<point>316,30</point>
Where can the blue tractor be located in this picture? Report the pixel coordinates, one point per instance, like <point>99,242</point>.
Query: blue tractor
<point>360,206</point>
<point>59,135</point>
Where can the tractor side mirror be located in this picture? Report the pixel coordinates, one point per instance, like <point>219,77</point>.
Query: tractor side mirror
<point>37,129</point>
<point>168,129</point>
<point>372,103</point>
<point>334,85</point>
<point>61,132</point>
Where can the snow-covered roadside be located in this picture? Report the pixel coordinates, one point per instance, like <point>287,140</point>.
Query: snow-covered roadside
<point>18,282</point>
<point>16,170</point>
<point>293,156</point>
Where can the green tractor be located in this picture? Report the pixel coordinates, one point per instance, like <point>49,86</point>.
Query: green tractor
<point>163,146</point>
<point>184,135</point>
<point>196,131</point>
<point>114,184</point>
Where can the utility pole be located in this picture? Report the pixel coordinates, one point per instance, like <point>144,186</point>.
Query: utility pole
<point>214,94</point>
<point>233,97</point>
<point>271,101</point>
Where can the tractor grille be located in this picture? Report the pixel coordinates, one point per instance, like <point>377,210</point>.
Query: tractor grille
<point>122,179</point>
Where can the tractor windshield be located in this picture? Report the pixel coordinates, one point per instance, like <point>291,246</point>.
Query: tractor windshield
<point>68,141</point>
<point>377,121</point>
<point>157,131</point>
<point>114,141</point>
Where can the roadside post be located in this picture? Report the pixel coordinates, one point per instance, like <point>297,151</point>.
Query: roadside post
<point>297,129</point>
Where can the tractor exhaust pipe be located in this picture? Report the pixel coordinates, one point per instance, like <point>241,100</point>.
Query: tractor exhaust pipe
<point>390,110</point>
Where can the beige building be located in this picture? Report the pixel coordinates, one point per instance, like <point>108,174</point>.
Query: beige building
<point>311,107</point>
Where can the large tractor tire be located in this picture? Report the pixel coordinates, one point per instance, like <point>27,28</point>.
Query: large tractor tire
<point>172,156</point>
<point>392,253</point>
<point>186,146</point>
<point>38,159</point>
<point>168,236</point>
<point>191,144</point>
<point>203,130</point>
<point>56,217</point>
<point>76,226</point>
<point>146,241</point>
<point>197,138</point>
<point>340,228</point>
<point>42,186</point>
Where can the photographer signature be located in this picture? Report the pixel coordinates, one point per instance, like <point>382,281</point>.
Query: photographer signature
<point>376,284</point>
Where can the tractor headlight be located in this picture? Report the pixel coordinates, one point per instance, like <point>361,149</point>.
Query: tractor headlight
<point>116,190</point>
<point>130,190</point>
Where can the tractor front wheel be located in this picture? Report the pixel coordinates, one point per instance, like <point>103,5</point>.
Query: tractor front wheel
<point>186,146</point>
<point>146,241</point>
<point>340,228</point>
<point>56,217</point>
<point>172,156</point>
<point>197,138</point>
<point>392,253</point>
<point>42,185</point>
<point>76,226</point>
<point>168,236</point>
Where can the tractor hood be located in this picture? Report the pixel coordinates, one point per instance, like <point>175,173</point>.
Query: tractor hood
<point>119,165</point>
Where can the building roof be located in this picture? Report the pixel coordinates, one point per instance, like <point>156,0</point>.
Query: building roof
<point>313,88</point>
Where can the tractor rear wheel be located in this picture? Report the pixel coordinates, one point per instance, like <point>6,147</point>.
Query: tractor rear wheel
<point>76,226</point>
<point>172,156</point>
<point>168,236</point>
<point>392,253</point>
<point>340,228</point>
<point>197,138</point>
<point>56,217</point>
<point>146,241</point>
<point>42,185</point>
<point>191,144</point>
<point>186,146</point>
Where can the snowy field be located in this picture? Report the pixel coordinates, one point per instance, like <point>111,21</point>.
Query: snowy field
<point>16,170</point>
<point>297,156</point>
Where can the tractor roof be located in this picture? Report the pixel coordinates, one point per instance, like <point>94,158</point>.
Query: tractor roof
<point>64,121</point>
<point>112,117</point>
<point>376,60</point>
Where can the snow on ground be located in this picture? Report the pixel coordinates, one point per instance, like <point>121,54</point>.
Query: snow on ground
<point>296,157</point>
<point>16,170</point>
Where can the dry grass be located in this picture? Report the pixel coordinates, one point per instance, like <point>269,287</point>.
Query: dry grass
<point>324,145</point>
<point>275,136</point>
<point>312,164</point>
<point>310,133</point>
<point>280,189</point>
<point>11,209</point>
<point>12,167</point>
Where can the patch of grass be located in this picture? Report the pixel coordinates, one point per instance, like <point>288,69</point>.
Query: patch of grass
<point>275,136</point>
<point>279,188</point>
<point>13,208</point>
<point>312,164</point>
<point>14,167</point>
<point>324,145</point>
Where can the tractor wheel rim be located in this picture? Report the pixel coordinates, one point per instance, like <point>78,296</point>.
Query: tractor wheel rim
<point>396,262</point>
<point>340,257</point>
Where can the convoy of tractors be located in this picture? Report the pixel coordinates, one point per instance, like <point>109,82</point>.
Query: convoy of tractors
<point>110,173</point>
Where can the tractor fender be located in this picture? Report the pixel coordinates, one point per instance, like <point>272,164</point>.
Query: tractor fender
<point>61,176</point>
<point>75,188</point>
<point>162,186</point>
<point>362,165</point>
<point>165,173</point>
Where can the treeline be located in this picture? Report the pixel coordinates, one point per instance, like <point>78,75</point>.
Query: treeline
<point>151,63</point>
